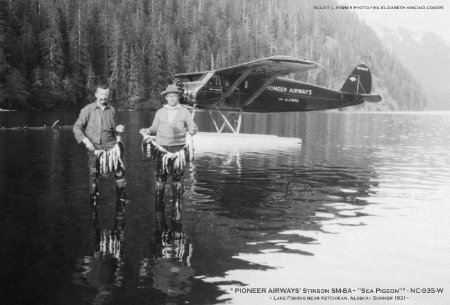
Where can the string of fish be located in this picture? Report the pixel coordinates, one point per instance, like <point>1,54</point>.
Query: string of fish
<point>168,161</point>
<point>110,160</point>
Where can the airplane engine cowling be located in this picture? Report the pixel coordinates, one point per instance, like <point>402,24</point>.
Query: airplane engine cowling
<point>190,90</point>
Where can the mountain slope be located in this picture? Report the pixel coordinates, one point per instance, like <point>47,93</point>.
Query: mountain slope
<point>427,57</point>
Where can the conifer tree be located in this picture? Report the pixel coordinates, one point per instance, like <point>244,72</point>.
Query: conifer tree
<point>79,56</point>
<point>137,45</point>
<point>135,81</point>
<point>3,63</point>
<point>53,58</point>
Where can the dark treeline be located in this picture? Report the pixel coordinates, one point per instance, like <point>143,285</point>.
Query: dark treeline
<point>53,52</point>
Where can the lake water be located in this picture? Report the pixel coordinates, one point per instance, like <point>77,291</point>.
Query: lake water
<point>361,205</point>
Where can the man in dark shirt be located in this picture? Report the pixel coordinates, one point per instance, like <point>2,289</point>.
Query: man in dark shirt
<point>96,128</point>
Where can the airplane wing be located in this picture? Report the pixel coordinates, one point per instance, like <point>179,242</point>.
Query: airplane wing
<point>270,66</point>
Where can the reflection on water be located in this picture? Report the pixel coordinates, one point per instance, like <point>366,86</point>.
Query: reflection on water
<point>362,202</point>
<point>168,269</point>
<point>103,269</point>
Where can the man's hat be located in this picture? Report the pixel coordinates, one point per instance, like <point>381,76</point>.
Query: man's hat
<point>171,89</point>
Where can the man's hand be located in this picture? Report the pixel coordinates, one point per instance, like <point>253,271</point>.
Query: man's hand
<point>120,128</point>
<point>193,130</point>
<point>143,131</point>
<point>88,144</point>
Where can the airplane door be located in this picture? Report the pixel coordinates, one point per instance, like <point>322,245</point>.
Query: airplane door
<point>211,93</point>
<point>233,99</point>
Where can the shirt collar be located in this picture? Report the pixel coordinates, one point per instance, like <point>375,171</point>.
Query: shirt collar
<point>97,106</point>
<point>172,107</point>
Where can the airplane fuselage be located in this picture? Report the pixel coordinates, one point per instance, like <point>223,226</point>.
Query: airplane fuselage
<point>274,95</point>
<point>257,86</point>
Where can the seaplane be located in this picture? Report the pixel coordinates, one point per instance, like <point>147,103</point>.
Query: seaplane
<point>258,86</point>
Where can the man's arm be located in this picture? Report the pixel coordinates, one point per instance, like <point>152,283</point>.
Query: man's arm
<point>79,127</point>
<point>119,127</point>
<point>192,128</point>
<point>154,128</point>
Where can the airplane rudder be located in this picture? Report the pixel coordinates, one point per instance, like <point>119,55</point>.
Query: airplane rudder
<point>359,81</point>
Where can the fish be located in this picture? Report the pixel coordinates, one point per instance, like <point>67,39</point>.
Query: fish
<point>110,160</point>
<point>169,162</point>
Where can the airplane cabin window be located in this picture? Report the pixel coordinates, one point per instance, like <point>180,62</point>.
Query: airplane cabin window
<point>214,81</point>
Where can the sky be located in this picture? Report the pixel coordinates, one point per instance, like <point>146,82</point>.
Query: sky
<point>416,20</point>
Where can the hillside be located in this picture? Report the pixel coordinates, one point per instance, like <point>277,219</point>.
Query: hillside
<point>427,57</point>
<point>54,51</point>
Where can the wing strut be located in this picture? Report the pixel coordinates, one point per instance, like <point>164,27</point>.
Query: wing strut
<point>236,118</point>
<point>237,82</point>
<point>259,91</point>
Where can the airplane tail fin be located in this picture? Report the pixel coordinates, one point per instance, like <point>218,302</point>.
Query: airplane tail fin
<point>359,81</point>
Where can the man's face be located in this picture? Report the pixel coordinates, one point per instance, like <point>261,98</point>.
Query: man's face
<point>102,96</point>
<point>172,99</point>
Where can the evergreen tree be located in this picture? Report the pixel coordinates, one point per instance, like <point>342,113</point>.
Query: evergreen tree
<point>37,91</point>
<point>91,83</point>
<point>58,49</point>
<point>53,57</point>
<point>135,81</point>
<point>16,90</point>
<point>114,51</point>
<point>27,45</point>
<point>79,56</point>
<point>3,63</point>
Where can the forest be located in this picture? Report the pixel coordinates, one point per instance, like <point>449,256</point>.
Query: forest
<point>53,52</point>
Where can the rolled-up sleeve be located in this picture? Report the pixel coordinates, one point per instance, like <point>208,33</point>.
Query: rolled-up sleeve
<point>80,125</point>
<point>192,128</point>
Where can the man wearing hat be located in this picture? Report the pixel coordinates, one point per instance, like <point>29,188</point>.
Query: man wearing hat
<point>171,124</point>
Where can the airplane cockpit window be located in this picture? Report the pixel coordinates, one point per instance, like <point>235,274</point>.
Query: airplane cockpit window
<point>205,75</point>
<point>189,77</point>
<point>225,83</point>
<point>214,81</point>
